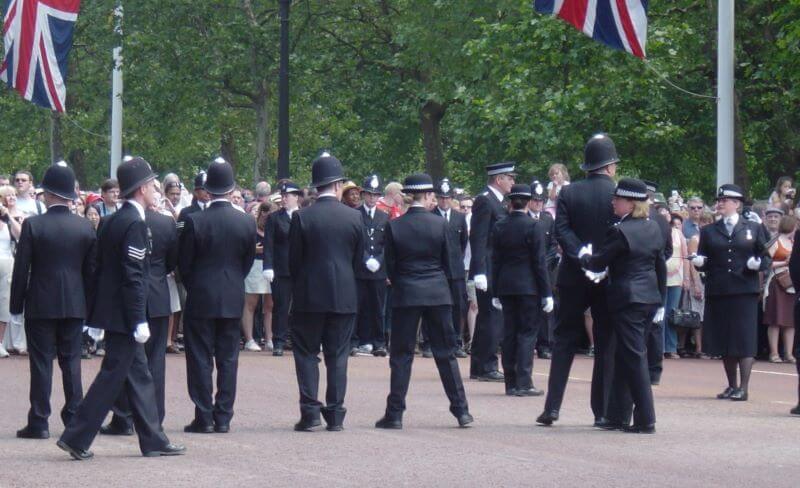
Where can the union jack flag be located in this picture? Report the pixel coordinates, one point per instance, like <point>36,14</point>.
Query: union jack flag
<point>37,36</point>
<point>620,24</point>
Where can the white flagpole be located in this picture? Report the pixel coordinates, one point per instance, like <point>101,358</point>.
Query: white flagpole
<point>116,96</point>
<point>725,82</point>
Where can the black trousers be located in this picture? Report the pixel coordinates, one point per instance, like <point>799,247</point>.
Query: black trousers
<point>124,368</point>
<point>156,351</point>
<point>439,330</point>
<point>458,294</point>
<point>488,333</point>
<point>209,343</point>
<point>47,340</point>
<point>521,319</point>
<point>544,336</point>
<point>370,319</point>
<point>569,331</point>
<point>654,342</point>
<point>282,302</point>
<point>631,384</point>
<point>331,332</point>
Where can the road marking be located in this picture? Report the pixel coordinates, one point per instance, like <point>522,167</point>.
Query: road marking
<point>774,372</point>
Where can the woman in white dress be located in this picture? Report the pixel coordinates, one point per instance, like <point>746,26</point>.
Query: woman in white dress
<point>12,336</point>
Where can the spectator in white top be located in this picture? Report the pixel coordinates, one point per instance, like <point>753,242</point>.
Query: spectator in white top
<point>26,202</point>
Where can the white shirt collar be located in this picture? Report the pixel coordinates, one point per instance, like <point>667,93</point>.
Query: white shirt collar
<point>58,205</point>
<point>327,194</point>
<point>733,219</point>
<point>417,204</point>
<point>217,200</point>
<point>496,193</point>
<point>138,207</point>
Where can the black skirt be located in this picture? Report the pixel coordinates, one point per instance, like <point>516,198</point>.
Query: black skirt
<point>730,326</point>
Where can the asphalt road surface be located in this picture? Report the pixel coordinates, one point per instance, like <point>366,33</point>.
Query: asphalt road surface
<point>700,441</point>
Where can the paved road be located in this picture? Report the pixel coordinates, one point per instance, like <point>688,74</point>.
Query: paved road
<point>700,441</point>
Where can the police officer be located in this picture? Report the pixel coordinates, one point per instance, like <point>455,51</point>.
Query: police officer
<point>521,289</point>
<point>369,337</point>
<point>326,247</point>
<point>732,252</point>
<point>547,224</point>
<point>163,260</point>
<point>583,216</point>
<point>487,209</point>
<point>52,275</point>
<point>120,307</point>
<point>217,249</point>
<point>418,262</point>
<point>200,199</point>
<point>276,262</point>
<point>633,253</point>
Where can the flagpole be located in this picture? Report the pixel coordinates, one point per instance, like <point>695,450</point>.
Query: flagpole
<point>116,96</point>
<point>725,84</point>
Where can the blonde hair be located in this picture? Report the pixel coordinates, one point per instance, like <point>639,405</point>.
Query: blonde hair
<point>560,167</point>
<point>641,210</point>
<point>393,187</point>
<point>7,190</point>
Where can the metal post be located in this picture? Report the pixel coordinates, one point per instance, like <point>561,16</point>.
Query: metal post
<point>725,83</point>
<point>116,96</point>
<point>283,93</point>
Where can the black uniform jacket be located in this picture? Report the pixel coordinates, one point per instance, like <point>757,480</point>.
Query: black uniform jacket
<point>583,216</point>
<point>54,266</point>
<point>726,263</point>
<point>276,242</point>
<point>458,238</point>
<point>518,263</point>
<point>185,212</point>
<point>375,229</point>
<point>217,249</point>
<point>418,259</point>
<point>633,252</point>
<point>666,231</point>
<point>326,246</point>
<point>163,259</point>
<point>548,226</point>
<point>486,211</point>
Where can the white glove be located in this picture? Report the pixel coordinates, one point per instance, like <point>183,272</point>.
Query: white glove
<point>373,265</point>
<point>753,217</point>
<point>753,263</point>
<point>547,304</point>
<point>481,283</point>
<point>659,316</point>
<point>496,304</point>
<point>17,318</point>
<point>699,261</point>
<point>142,333</point>
<point>595,277</point>
<point>268,274</point>
<point>585,251</point>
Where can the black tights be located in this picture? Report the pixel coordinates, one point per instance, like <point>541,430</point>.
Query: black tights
<point>745,365</point>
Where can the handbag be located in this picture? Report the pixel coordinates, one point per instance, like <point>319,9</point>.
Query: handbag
<point>683,316</point>
<point>784,279</point>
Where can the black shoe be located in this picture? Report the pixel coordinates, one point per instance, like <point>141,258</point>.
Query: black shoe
<point>795,410</point>
<point>655,382</point>
<point>511,392</point>
<point>168,450</point>
<point>389,423</point>
<point>28,433</point>
<point>334,428</point>
<point>197,428</point>
<point>464,420</point>
<point>307,425</point>
<point>473,376</point>
<point>532,391</point>
<point>278,351</point>
<point>726,393</point>
<point>605,424</point>
<point>495,376</point>
<point>379,352</point>
<point>640,429</point>
<point>547,417</point>
<point>77,454</point>
<point>354,351</point>
<point>112,429</point>
<point>545,355</point>
<point>222,428</point>
<point>739,395</point>
<point>426,353</point>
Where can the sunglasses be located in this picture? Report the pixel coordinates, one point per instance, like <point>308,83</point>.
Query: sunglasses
<point>696,208</point>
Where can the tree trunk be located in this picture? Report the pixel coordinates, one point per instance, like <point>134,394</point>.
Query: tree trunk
<point>77,160</point>
<point>56,142</point>
<point>430,116</point>
<point>262,139</point>
<point>227,147</point>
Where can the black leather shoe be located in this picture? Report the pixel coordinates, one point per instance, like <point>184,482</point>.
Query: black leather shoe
<point>77,454</point>
<point>473,376</point>
<point>197,428</point>
<point>28,433</point>
<point>379,352</point>
<point>334,428</point>
<point>726,393</point>
<point>278,351</point>
<point>168,450</point>
<point>389,423</point>
<point>640,429</point>
<point>545,355</point>
<point>426,353</point>
<point>222,428</point>
<point>547,417</point>
<point>494,376</point>
<point>307,425</point>
<point>605,424</point>
<point>461,353</point>
<point>112,429</point>
<point>464,420</point>
<point>795,410</point>
<point>532,391</point>
<point>511,392</point>
<point>739,395</point>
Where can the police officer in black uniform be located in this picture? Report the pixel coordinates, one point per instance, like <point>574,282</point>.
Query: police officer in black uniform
<point>487,209</point>
<point>369,337</point>
<point>53,271</point>
<point>276,263</point>
<point>583,216</point>
<point>633,254</point>
<point>200,199</point>
<point>418,262</point>
<point>547,224</point>
<point>163,260</point>
<point>120,307</point>
<point>326,247</point>
<point>217,249</point>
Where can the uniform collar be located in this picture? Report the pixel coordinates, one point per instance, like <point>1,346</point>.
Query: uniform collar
<point>138,207</point>
<point>496,193</point>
